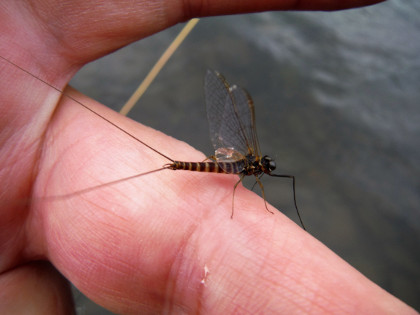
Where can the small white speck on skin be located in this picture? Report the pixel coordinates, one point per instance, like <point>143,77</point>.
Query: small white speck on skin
<point>206,273</point>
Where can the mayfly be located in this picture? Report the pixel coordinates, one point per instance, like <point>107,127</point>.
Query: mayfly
<point>231,117</point>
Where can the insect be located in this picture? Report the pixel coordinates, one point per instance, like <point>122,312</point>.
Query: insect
<point>231,117</point>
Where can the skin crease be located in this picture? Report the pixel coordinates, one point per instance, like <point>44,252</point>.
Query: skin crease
<point>141,246</point>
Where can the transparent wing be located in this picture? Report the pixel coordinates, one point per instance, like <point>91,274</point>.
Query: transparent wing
<point>231,116</point>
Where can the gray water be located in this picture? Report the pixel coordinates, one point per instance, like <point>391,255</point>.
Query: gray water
<point>336,98</point>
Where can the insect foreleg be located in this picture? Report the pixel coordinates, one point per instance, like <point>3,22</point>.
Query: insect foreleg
<point>294,195</point>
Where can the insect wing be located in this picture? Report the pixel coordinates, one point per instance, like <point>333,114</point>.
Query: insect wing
<point>244,106</point>
<point>231,119</point>
<point>227,155</point>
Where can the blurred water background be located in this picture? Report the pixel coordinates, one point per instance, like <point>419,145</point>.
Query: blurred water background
<point>337,102</point>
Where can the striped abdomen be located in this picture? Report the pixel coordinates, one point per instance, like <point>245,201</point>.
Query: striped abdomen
<point>209,167</point>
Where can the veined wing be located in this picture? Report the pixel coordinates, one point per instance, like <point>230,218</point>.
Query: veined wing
<point>231,116</point>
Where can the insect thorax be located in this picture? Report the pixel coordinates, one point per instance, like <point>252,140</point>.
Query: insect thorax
<point>255,166</point>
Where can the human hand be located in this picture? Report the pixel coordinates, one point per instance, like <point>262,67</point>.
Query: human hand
<point>138,246</point>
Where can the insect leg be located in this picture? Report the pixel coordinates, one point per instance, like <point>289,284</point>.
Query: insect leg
<point>294,195</point>
<point>210,158</point>
<point>257,180</point>
<point>259,177</point>
<point>234,188</point>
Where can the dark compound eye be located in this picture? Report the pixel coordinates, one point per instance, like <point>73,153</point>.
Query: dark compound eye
<point>268,163</point>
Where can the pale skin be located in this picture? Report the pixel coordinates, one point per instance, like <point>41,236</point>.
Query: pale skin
<point>144,245</point>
